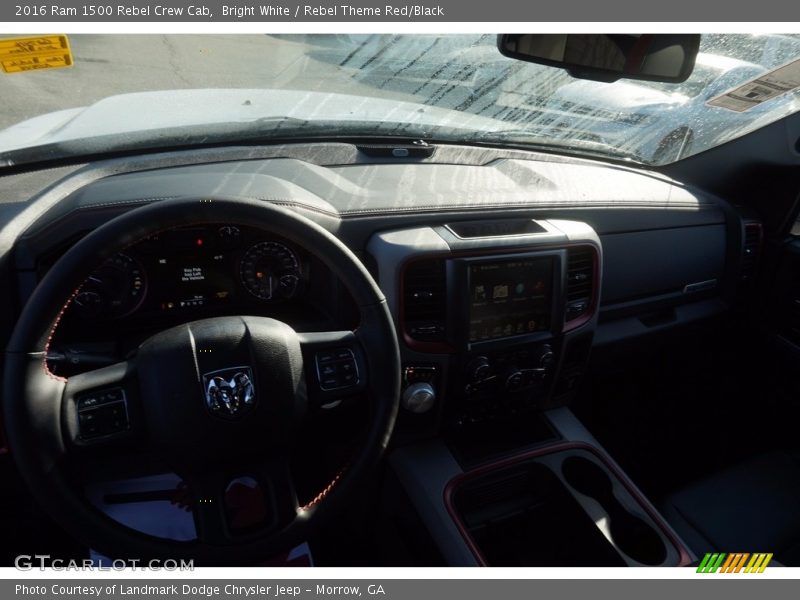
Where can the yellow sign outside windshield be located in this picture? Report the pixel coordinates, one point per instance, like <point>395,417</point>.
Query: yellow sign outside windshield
<point>20,55</point>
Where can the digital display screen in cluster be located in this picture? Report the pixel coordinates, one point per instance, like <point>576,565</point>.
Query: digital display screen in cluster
<point>192,269</point>
<point>196,281</point>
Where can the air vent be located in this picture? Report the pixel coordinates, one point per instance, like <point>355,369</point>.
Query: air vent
<point>751,249</point>
<point>580,282</point>
<point>425,300</point>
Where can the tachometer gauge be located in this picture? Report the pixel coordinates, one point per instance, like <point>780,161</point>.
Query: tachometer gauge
<point>270,271</point>
<point>114,290</point>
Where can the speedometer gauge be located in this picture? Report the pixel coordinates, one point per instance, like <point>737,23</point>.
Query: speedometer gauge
<point>270,271</point>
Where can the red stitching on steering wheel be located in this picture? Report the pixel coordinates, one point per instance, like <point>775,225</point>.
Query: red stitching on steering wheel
<point>327,490</point>
<point>52,334</point>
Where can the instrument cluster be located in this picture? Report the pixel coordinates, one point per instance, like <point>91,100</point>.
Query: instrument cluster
<point>194,268</point>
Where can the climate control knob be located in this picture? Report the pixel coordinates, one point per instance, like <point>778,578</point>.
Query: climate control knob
<point>546,356</point>
<point>479,368</point>
<point>419,398</point>
<point>514,380</point>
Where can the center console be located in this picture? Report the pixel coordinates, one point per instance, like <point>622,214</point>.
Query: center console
<point>563,503</point>
<point>496,321</point>
<point>498,315</point>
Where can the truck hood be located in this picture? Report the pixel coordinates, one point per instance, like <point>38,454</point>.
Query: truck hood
<point>208,115</point>
<point>619,96</point>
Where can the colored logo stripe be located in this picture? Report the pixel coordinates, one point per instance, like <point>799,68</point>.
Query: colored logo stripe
<point>734,562</point>
<point>711,563</point>
<point>758,563</point>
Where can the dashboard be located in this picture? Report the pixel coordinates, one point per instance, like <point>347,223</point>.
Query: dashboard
<point>503,270</point>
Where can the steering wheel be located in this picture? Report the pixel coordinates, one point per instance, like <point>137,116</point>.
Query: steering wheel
<point>211,398</point>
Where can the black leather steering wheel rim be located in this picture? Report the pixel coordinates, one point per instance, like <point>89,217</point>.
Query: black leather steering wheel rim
<point>34,427</point>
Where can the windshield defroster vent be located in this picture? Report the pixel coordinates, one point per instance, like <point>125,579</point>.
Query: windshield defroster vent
<point>425,300</point>
<point>580,284</point>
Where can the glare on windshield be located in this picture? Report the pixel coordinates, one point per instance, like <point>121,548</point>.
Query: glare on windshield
<point>458,87</point>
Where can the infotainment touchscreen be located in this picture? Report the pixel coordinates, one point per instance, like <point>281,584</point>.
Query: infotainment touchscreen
<point>510,297</point>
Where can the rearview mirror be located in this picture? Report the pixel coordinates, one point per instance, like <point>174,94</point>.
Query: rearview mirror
<point>608,57</point>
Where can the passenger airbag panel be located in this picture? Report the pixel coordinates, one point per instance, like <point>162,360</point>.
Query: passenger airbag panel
<point>640,264</point>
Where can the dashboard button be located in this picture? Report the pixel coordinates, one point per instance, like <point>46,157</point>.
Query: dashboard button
<point>419,397</point>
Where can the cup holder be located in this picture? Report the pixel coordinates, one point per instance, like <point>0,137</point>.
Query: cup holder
<point>632,535</point>
<point>525,516</point>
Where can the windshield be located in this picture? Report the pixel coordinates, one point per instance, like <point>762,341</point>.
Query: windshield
<point>146,91</point>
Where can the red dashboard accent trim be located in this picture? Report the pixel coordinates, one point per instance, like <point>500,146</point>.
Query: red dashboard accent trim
<point>685,557</point>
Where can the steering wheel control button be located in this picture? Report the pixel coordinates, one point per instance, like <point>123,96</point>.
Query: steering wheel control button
<point>336,369</point>
<point>327,370</point>
<point>97,398</point>
<point>89,402</point>
<point>325,357</point>
<point>102,413</point>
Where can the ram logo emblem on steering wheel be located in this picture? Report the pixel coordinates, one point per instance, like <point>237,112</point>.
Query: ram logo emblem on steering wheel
<point>229,393</point>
